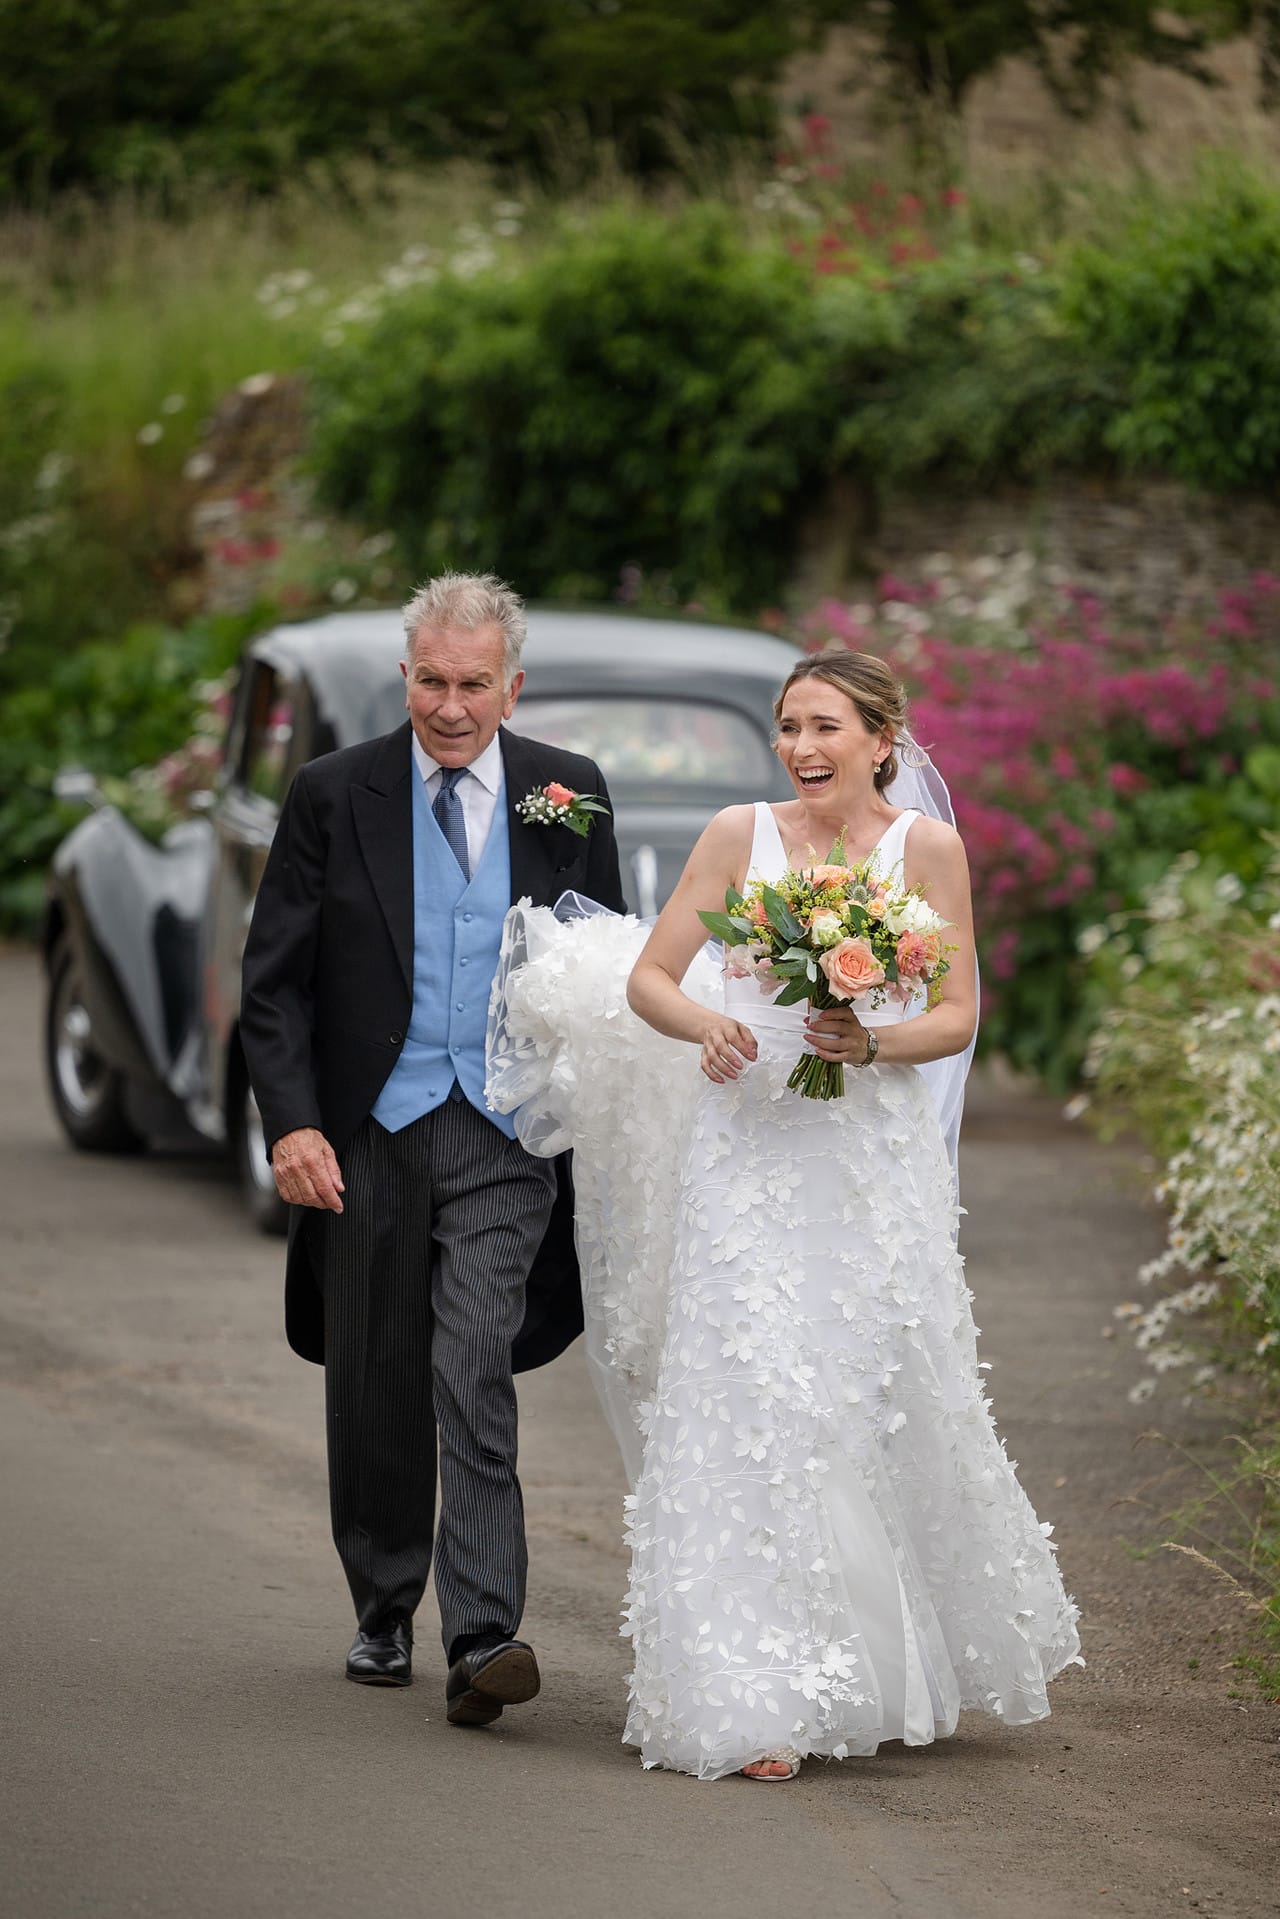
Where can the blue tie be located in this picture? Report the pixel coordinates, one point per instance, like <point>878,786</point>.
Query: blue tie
<point>448,816</point>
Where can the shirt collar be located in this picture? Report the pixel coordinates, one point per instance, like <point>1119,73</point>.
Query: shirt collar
<point>487,766</point>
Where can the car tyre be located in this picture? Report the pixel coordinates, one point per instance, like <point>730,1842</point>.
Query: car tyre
<point>257,1186</point>
<point>89,1097</point>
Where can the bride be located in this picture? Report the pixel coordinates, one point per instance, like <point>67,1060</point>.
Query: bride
<point>829,1547</point>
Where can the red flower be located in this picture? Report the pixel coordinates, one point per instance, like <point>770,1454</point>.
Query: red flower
<point>817,132</point>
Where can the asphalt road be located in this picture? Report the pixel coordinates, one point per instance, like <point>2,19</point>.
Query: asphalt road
<point>176,1737</point>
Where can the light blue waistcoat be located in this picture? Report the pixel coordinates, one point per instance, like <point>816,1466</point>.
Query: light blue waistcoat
<point>457,935</point>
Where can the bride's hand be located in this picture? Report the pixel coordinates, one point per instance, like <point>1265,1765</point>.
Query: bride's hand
<point>727,1045</point>
<point>836,1033</point>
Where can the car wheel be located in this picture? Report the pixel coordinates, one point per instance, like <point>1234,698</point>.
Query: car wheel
<point>257,1185</point>
<point>89,1096</point>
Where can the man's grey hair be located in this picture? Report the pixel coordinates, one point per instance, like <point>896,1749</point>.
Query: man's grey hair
<point>468,601</point>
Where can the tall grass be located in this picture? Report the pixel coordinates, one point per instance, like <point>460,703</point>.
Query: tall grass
<point>125,308</point>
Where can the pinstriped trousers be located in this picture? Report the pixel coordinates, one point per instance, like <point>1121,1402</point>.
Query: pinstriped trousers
<point>423,1275</point>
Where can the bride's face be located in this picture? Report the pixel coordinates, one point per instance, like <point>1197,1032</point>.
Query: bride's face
<point>825,746</point>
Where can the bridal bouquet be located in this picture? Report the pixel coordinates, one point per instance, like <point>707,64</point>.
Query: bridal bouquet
<point>833,934</point>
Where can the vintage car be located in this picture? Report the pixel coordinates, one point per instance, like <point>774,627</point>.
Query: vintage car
<point>143,942</point>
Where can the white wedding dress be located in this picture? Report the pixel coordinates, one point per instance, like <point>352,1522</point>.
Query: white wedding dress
<point>829,1545</point>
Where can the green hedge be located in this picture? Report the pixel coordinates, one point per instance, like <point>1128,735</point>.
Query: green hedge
<point>649,392</point>
<point>664,392</point>
<point>1182,322</point>
<point>160,94</point>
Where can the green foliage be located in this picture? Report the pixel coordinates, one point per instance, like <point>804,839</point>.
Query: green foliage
<point>109,707</point>
<point>72,568</point>
<point>1185,319</point>
<point>1188,1051</point>
<point>649,392</point>
<point>146,93</point>
<point>660,393</point>
<point>959,366</point>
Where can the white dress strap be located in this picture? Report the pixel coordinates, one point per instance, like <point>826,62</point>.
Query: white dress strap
<point>768,855</point>
<point>893,842</point>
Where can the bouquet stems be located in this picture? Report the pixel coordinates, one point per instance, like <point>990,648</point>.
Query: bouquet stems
<point>811,1076</point>
<point>816,1078</point>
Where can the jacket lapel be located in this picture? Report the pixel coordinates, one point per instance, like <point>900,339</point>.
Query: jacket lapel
<point>383,814</point>
<point>535,850</point>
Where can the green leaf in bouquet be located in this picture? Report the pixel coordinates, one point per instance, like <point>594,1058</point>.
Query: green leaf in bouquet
<point>792,993</point>
<point>723,927</point>
<point>733,899</point>
<point>781,916</point>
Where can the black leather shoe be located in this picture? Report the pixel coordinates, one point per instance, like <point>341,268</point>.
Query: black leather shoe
<point>488,1678</point>
<point>383,1658</point>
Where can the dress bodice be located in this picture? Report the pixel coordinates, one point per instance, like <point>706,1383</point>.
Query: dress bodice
<point>743,998</point>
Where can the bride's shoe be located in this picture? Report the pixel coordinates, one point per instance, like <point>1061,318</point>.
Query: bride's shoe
<point>783,1756</point>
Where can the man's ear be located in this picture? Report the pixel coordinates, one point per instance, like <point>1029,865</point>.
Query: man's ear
<point>513,694</point>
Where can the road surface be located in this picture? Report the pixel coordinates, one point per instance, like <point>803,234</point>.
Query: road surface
<point>177,1736</point>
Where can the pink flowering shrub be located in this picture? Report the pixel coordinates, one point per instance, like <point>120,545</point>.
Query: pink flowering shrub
<point>1080,768</point>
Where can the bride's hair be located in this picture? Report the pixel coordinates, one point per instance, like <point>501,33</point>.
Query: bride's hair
<point>877,694</point>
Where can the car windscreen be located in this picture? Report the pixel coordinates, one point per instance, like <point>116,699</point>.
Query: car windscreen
<point>646,744</point>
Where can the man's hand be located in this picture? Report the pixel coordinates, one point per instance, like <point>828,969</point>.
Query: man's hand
<point>306,1170</point>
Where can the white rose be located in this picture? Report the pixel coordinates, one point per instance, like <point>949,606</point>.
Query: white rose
<point>826,927</point>
<point>911,914</point>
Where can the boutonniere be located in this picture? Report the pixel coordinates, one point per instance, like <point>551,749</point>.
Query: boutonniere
<point>556,805</point>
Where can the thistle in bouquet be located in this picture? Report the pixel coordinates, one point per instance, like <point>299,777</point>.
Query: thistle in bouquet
<point>836,935</point>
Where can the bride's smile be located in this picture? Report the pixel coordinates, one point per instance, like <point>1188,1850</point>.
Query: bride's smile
<point>832,759</point>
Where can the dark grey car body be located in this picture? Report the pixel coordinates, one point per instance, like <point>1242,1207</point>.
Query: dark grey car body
<point>143,943</point>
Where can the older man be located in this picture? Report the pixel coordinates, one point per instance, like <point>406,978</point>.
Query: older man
<point>429,1254</point>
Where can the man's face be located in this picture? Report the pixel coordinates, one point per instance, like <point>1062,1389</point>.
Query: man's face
<point>456,691</point>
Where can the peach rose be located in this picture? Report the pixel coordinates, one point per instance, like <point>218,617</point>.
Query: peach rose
<point>560,795</point>
<point>757,913</point>
<point>827,875</point>
<point>876,906</point>
<point>851,969</point>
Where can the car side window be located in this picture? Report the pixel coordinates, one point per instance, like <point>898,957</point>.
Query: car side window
<point>265,758</point>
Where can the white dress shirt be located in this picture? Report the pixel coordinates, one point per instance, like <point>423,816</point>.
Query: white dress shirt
<point>478,793</point>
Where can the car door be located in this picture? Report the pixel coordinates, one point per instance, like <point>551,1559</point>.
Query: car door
<point>267,741</point>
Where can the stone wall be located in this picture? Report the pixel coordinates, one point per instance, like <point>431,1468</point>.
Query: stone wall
<point>1150,550</point>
